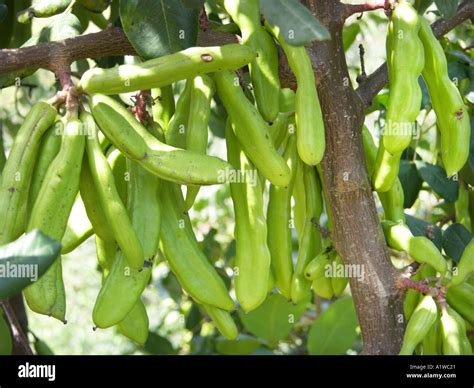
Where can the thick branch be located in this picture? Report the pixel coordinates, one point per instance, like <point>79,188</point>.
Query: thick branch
<point>357,234</point>
<point>377,80</point>
<point>56,56</point>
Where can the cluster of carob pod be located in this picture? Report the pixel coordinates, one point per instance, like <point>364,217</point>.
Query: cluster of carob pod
<point>125,172</point>
<point>413,50</point>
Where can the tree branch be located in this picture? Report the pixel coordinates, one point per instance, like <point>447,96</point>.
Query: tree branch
<point>378,79</point>
<point>351,9</point>
<point>55,56</point>
<point>20,340</point>
<point>59,55</point>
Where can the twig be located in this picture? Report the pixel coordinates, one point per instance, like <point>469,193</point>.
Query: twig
<point>351,9</point>
<point>18,334</point>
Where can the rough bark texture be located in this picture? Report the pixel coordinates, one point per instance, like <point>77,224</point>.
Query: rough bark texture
<point>357,234</point>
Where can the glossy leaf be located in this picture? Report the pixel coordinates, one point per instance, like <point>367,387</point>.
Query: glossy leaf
<point>436,177</point>
<point>297,25</point>
<point>24,260</point>
<point>273,320</point>
<point>334,331</point>
<point>455,239</point>
<point>158,27</point>
<point>422,228</point>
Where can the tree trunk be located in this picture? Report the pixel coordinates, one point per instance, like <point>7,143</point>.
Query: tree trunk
<point>357,234</point>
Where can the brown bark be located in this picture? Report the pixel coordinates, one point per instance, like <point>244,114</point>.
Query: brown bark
<point>357,234</point>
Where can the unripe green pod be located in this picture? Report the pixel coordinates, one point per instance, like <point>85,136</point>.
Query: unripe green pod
<point>280,241</point>
<point>106,254</point>
<point>299,210</point>
<point>195,273</point>
<point>317,267</point>
<point>50,145</point>
<point>253,258</point>
<point>118,164</point>
<point>432,344</point>
<point>405,59</point>
<point>452,333</point>
<point>264,68</point>
<point>451,113</point>
<point>386,169</point>
<point>465,267</point>
<point>18,170</point>
<point>203,90</point>
<point>51,212</point>
<point>136,143</point>
<point>284,124</point>
<point>310,243</point>
<point>6,341</point>
<point>109,198</point>
<point>322,287</point>
<point>309,117</point>
<point>461,298</point>
<point>43,9</point>
<point>420,248</point>
<point>338,281</point>
<point>166,70</point>
<point>58,310</point>
<point>392,203</point>
<point>163,107</point>
<point>223,321</point>
<point>96,6</point>
<point>461,208</point>
<point>135,324</point>
<point>251,130</point>
<point>176,132</point>
<point>94,210</point>
<point>419,324</point>
<point>78,228</point>
<point>465,345</point>
<point>393,199</point>
<point>144,208</point>
<point>113,304</point>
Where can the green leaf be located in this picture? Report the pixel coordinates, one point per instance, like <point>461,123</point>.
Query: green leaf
<point>243,345</point>
<point>297,25</point>
<point>422,228</point>
<point>334,331</point>
<point>24,260</point>
<point>436,177</point>
<point>455,239</point>
<point>42,348</point>
<point>422,5</point>
<point>447,7</point>
<point>158,27</point>
<point>349,34</point>
<point>158,345</point>
<point>195,4</point>
<point>65,26</point>
<point>411,182</point>
<point>273,320</point>
<point>6,343</point>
